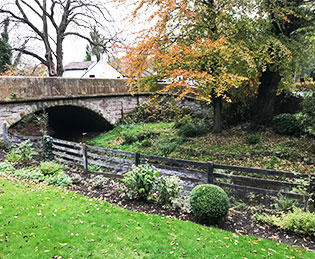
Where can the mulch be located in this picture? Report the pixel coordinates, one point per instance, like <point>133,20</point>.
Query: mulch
<point>239,222</point>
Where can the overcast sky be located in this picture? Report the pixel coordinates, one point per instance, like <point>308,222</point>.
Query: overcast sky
<point>74,47</point>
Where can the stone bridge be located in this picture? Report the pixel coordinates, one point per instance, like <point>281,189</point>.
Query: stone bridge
<point>104,100</point>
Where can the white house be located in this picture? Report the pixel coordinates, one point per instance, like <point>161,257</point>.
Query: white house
<point>91,69</point>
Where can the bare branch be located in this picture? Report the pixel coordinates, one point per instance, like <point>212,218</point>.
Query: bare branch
<point>24,51</point>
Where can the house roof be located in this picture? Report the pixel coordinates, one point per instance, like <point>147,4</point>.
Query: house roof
<point>78,65</point>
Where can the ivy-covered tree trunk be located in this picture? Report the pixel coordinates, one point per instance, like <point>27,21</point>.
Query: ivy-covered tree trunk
<point>217,114</point>
<point>267,95</point>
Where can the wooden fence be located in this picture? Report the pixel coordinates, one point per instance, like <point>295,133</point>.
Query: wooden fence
<point>114,163</point>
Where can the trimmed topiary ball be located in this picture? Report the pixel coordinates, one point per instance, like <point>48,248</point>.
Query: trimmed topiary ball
<point>209,201</point>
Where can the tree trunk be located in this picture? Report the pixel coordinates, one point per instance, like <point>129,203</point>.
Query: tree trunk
<point>59,51</point>
<point>49,54</point>
<point>267,95</point>
<point>217,114</point>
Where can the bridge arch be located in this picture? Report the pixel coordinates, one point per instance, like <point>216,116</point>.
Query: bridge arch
<point>65,120</point>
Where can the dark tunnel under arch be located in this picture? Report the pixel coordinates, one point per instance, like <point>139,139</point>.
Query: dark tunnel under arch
<point>73,122</point>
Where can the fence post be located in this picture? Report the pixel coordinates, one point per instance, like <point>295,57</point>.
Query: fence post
<point>85,159</point>
<point>137,161</point>
<point>312,193</point>
<point>5,133</point>
<point>210,173</point>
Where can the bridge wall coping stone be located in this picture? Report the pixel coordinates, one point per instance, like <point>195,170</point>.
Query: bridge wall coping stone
<point>47,87</point>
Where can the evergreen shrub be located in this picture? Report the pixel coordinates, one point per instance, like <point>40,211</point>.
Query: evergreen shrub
<point>209,201</point>
<point>286,124</point>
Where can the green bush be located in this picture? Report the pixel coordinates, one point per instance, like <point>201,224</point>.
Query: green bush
<point>47,142</point>
<point>140,181</point>
<point>181,121</point>
<point>98,181</point>
<point>252,139</point>
<point>23,153</point>
<point>152,112</point>
<point>50,168</point>
<point>29,173</point>
<point>169,190</point>
<point>285,204</point>
<point>297,221</point>
<point>166,146</point>
<point>59,179</point>
<point>286,124</point>
<point>209,201</point>
<point>191,130</point>
<point>6,168</point>
<point>131,137</point>
<point>76,178</point>
<point>12,157</point>
<point>307,115</point>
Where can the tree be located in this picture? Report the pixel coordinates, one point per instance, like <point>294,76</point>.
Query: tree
<point>190,47</point>
<point>282,30</point>
<point>5,48</point>
<point>52,21</point>
<point>97,47</point>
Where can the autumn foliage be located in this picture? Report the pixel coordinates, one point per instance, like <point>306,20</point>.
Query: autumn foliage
<point>185,47</point>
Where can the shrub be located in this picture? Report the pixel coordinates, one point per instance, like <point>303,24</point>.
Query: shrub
<point>182,203</point>
<point>26,151</point>
<point>131,137</point>
<point>286,124</point>
<point>29,173</point>
<point>12,157</point>
<point>152,112</point>
<point>166,146</point>
<point>285,204</point>
<point>181,121</point>
<point>23,153</point>
<point>6,168</point>
<point>297,221</point>
<point>307,116</point>
<point>191,130</point>
<point>50,168</point>
<point>252,139</point>
<point>140,181</point>
<point>47,142</point>
<point>169,190</point>
<point>76,178</point>
<point>60,179</point>
<point>98,181</point>
<point>209,201</point>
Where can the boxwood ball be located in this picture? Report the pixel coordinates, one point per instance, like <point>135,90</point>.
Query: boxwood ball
<point>209,201</point>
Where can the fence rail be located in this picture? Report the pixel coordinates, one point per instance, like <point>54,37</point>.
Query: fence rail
<point>194,172</point>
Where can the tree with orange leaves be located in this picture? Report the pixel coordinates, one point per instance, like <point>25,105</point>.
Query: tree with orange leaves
<point>189,47</point>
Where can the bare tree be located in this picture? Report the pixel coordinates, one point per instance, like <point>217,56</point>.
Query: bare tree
<point>51,21</point>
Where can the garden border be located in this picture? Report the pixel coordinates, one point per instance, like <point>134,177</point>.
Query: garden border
<point>81,155</point>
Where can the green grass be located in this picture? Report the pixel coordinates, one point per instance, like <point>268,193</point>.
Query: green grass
<point>37,221</point>
<point>229,147</point>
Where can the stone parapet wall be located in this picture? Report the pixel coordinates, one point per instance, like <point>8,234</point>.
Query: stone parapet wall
<point>12,88</point>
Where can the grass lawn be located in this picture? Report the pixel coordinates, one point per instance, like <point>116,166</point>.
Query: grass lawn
<point>37,221</point>
<point>229,147</point>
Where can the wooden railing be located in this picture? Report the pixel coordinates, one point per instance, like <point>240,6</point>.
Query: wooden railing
<point>115,163</point>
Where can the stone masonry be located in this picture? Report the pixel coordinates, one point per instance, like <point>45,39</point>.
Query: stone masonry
<point>20,96</point>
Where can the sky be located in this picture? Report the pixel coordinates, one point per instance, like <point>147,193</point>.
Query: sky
<point>74,47</point>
